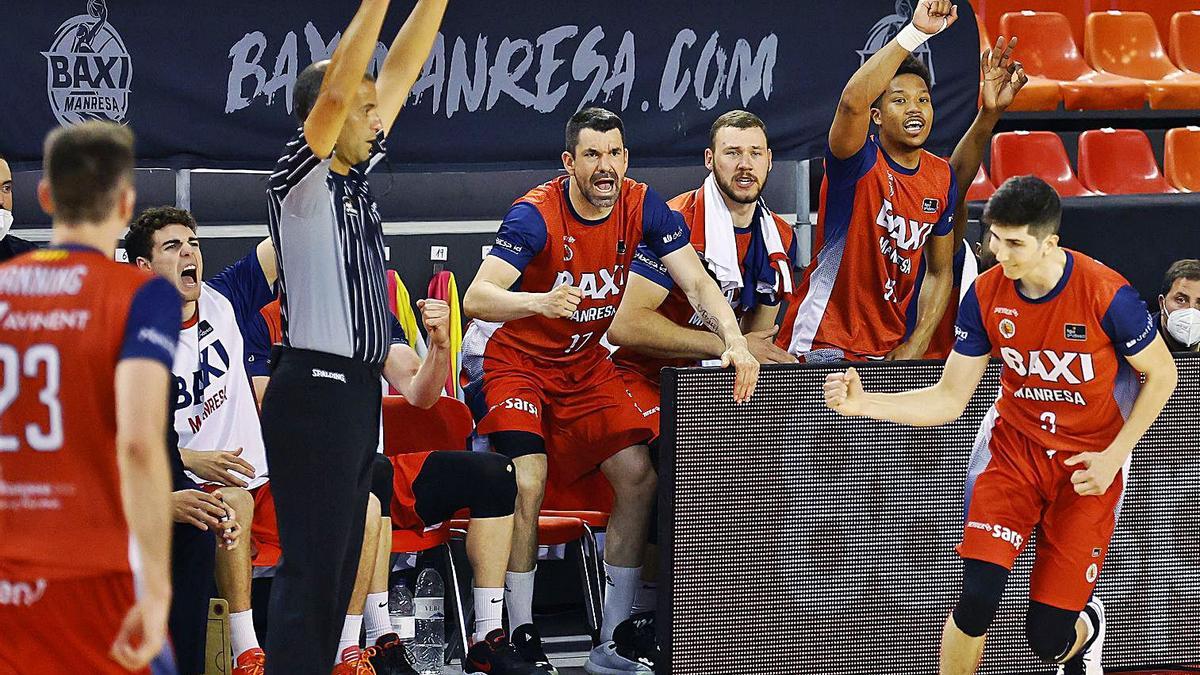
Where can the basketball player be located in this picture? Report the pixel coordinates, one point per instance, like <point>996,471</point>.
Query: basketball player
<point>86,346</point>
<point>1073,336</point>
<point>883,199</point>
<point>546,381</point>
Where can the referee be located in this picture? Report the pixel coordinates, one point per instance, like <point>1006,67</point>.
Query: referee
<point>320,413</point>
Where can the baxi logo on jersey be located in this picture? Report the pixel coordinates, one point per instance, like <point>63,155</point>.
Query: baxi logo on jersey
<point>1071,368</point>
<point>886,29</point>
<point>902,235</point>
<point>201,378</point>
<point>88,69</point>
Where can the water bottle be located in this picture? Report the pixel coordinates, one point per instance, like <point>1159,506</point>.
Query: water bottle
<point>400,612</point>
<point>429,641</point>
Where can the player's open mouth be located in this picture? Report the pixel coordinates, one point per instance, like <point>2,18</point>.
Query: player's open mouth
<point>604,185</point>
<point>914,125</point>
<point>745,181</point>
<point>188,276</point>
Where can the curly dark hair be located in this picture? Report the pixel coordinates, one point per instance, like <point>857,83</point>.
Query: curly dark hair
<point>139,241</point>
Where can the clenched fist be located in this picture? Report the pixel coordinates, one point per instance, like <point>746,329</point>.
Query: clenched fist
<point>934,15</point>
<point>844,392</point>
<point>435,314</point>
<point>560,302</point>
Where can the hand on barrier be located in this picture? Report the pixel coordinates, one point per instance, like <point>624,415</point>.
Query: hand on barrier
<point>738,355</point>
<point>762,347</point>
<point>560,302</point>
<point>844,392</point>
<point>1002,77</point>
<point>1098,472</point>
<point>934,16</point>
<point>142,633</point>
<point>435,314</point>
<point>218,466</point>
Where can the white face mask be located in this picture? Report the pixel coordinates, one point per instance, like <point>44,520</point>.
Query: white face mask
<point>6,221</point>
<point>1184,326</point>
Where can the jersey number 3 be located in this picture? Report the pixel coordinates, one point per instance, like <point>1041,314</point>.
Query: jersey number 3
<point>37,358</point>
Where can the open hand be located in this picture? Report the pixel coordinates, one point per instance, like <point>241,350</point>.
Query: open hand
<point>738,355</point>
<point>1098,472</point>
<point>219,466</point>
<point>763,348</point>
<point>1001,76</point>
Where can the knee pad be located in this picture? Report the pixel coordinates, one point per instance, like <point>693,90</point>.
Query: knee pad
<point>1050,631</point>
<point>983,586</point>
<point>514,444</point>
<point>495,492</point>
<point>381,483</point>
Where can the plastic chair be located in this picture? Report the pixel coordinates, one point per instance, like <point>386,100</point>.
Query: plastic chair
<point>1126,43</point>
<point>407,428</point>
<point>1181,158</point>
<point>1184,42</point>
<point>1047,50</point>
<point>1073,10</point>
<point>981,188</point>
<point>1160,10</point>
<point>1041,153</point>
<point>1119,162</point>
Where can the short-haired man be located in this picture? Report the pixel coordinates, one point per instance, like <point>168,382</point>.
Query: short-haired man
<point>11,245</point>
<point>85,349</point>
<point>1178,318</point>
<point>1052,451</point>
<point>881,200</point>
<point>215,413</point>
<point>555,403</point>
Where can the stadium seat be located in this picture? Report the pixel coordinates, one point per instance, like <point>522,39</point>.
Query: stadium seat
<point>1160,10</point>
<point>981,188</point>
<point>1047,50</point>
<point>1074,11</point>
<point>1185,41</point>
<point>1126,43</point>
<point>1041,153</point>
<point>1119,162</point>
<point>445,426</point>
<point>1181,158</point>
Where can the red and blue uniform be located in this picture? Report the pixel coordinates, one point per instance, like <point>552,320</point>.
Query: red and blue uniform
<point>68,316</point>
<point>1065,388</point>
<point>874,220</point>
<point>553,377</point>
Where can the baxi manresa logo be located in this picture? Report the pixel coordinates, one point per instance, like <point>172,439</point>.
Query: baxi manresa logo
<point>88,69</point>
<point>886,28</point>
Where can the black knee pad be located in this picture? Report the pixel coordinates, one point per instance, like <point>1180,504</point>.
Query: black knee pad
<point>494,492</point>
<point>1050,631</point>
<point>514,444</point>
<point>983,586</point>
<point>381,483</point>
<point>484,482</point>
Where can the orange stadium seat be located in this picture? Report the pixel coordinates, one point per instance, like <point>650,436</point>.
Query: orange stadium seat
<point>1126,43</point>
<point>1075,11</point>
<point>981,188</point>
<point>1041,153</point>
<point>1119,161</point>
<point>1181,158</point>
<point>1185,41</point>
<point>1160,10</point>
<point>445,426</point>
<point>1047,50</point>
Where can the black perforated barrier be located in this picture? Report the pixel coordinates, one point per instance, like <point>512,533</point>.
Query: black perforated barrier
<point>798,541</point>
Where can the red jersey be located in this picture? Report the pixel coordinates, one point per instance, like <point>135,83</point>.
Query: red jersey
<point>67,317</point>
<point>874,219</point>
<point>1065,383</point>
<point>551,245</point>
<point>676,306</point>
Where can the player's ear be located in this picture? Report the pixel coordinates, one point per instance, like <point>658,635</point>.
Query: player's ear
<point>45,198</point>
<point>708,159</point>
<point>568,161</point>
<point>127,200</point>
<point>876,116</point>
<point>144,265</point>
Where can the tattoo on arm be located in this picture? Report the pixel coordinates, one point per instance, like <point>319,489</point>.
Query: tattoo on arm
<point>708,320</point>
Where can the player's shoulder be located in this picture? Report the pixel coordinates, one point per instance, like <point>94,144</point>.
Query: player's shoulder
<point>1095,272</point>
<point>786,233</point>
<point>935,167</point>
<point>552,191</point>
<point>989,282</point>
<point>686,202</point>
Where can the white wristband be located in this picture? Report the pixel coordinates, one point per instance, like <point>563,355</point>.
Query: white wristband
<point>911,37</point>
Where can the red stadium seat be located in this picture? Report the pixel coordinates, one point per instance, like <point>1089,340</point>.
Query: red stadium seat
<point>1160,10</point>
<point>1041,153</point>
<point>1181,158</point>
<point>1185,41</point>
<point>1126,43</point>
<point>1047,50</point>
<point>1073,10</point>
<point>1119,162</point>
<point>407,428</point>
<point>981,188</point>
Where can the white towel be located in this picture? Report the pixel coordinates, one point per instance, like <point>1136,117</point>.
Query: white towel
<point>720,245</point>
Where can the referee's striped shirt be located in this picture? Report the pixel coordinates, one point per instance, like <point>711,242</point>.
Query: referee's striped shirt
<point>329,238</point>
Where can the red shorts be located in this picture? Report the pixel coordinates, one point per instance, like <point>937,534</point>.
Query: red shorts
<point>62,626</point>
<point>585,415</point>
<point>1026,486</point>
<point>646,393</point>
<point>264,530</point>
<point>406,468</point>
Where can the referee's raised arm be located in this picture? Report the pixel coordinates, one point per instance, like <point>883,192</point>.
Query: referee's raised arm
<point>343,76</point>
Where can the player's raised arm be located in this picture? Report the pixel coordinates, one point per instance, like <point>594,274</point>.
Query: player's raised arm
<point>852,120</point>
<point>345,72</point>
<point>943,402</point>
<point>405,58</point>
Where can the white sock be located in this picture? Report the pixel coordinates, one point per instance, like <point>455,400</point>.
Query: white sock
<point>518,597</point>
<point>350,634</point>
<point>646,599</point>
<point>241,632</point>
<point>489,611</point>
<point>623,585</point>
<point>375,616</point>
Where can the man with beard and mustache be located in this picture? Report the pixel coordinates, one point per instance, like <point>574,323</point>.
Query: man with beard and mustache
<point>555,404</point>
<point>881,199</point>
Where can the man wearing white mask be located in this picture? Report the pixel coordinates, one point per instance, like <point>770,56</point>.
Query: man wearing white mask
<point>10,246</point>
<point>1179,320</point>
